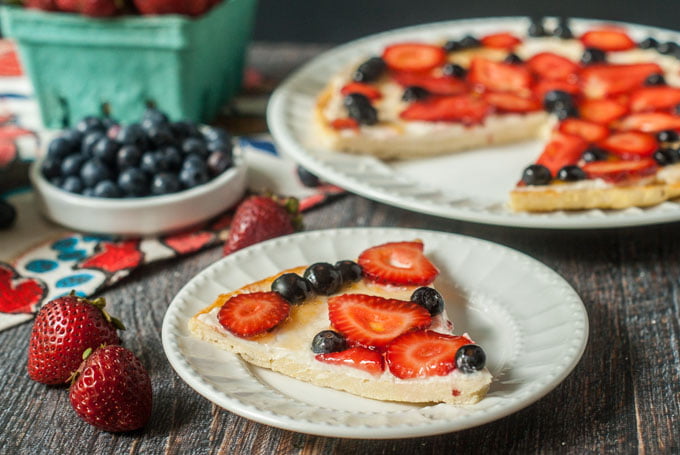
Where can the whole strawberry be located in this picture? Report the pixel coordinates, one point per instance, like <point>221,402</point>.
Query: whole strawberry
<point>99,8</point>
<point>44,5</point>
<point>112,390</point>
<point>186,7</point>
<point>63,330</point>
<point>261,218</point>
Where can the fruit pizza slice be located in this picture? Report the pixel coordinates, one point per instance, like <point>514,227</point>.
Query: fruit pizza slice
<point>375,328</point>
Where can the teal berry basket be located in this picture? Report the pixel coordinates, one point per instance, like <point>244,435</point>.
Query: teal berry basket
<point>187,67</point>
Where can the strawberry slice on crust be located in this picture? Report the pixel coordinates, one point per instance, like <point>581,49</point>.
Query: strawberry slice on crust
<point>547,65</point>
<point>630,145</point>
<point>373,321</point>
<point>368,360</point>
<point>562,150</point>
<point>650,122</point>
<point>413,57</point>
<point>654,98</point>
<point>436,85</point>
<point>618,171</point>
<point>246,315</point>
<point>590,131</point>
<point>345,123</point>
<point>608,39</point>
<point>423,353</point>
<point>510,102</point>
<point>367,90</point>
<point>400,263</point>
<point>499,76</point>
<point>466,109</point>
<point>600,81</point>
<point>603,111</point>
<point>502,40</point>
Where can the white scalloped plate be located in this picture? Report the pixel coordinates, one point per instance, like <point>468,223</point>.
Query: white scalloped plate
<point>471,186</point>
<point>531,323</point>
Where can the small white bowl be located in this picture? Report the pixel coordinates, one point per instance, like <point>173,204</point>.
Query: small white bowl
<point>145,215</point>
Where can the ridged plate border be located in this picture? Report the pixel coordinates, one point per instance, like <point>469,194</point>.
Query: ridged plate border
<point>532,324</point>
<point>291,108</point>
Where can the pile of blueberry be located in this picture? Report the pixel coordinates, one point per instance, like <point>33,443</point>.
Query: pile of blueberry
<point>101,158</point>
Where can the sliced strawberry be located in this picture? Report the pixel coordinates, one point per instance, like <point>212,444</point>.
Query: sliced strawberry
<point>345,123</point>
<point>502,40</point>
<point>413,57</point>
<point>401,263</point>
<point>590,131</point>
<point>599,81</point>
<point>545,86</point>
<point>246,315</point>
<point>630,144</point>
<point>499,76</point>
<point>650,122</point>
<point>357,357</point>
<point>547,65</point>
<point>561,150</point>
<point>510,102</point>
<point>603,111</point>
<point>617,171</point>
<point>654,98</point>
<point>367,90</point>
<point>423,353</point>
<point>436,85</point>
<point>466,109</point>
<point>373,321</point>
<point>608,39</point>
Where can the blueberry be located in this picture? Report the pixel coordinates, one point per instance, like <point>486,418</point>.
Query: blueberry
<point>194,146</point>
<point>219,145</point>
<point>132,134</point>
<point>571,173</point>
<point>219,162</point>
<point>194,161</point>
<point>94,171</point>
<point>328,341</point>
<point>51,167</point>
<point>307,178</point>
<point>183,129</point>
<point>452,46</point>
<point>655,79</point>
<point>666,156</point>
<point>112,131</point>
<point>89,192</point>
<point>128,156</point>
<point>214,133</point>
<point>360,109</point>
<point>454,70</point>
<point>676,109</point>
<point>292,287</point>
<point>89,141</point>
<point>414,93</point>
<point>513,59</point>
<point>159,135</point>
<point>106,189</point>
<point>154,116</point>
<point>72,165</point>
<point>553,99</point>
<point>536,28</point>
<point>536,174</point>
<point>429,299</point>
<point>324,278</point>
<point>668,48</point>
<point>469,42</point>
<point>153,162</point>
<point>594,154</point>
<point>593,55</point>
<point>165,183</point>
<point>470,358</point>
<point>648,43</point>
<point>59,148</point>
<point>8,214</point>
<point>90,124</point>
<point>350,271</point>
<point>370,70</point>
<point>667,136</point>
<point>192,177</point>
<point>563,30</point>
<point>106,149</point>
<point>72,184</point>
<point>74,137</point>
<point>565,111</point>
<point>172,157</point>
<point>133,182</point>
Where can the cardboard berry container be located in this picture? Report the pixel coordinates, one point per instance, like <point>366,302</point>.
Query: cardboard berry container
<point>187,67</point>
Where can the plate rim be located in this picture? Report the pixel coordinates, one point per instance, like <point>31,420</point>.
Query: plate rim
<point>327,429</point>
<point>294,148</point>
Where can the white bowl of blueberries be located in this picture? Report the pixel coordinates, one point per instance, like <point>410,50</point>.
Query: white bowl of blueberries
<point>150,177</point>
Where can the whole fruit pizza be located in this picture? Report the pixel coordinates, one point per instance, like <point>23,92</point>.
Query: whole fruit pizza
<point>375,327</point>
<point>607,107</point>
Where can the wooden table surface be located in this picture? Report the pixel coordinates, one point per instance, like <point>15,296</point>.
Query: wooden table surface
<point>623,397</point>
